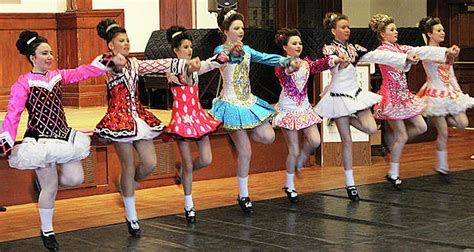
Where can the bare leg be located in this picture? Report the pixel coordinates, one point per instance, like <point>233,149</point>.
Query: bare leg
<point>263,134</point>
<point>312,141</point>
<point>343,126</point>
<point>186,166</point>
<point>244,154</point>
<point>71,174</point>
<point>128,184</point>
<point>441,141</point>
<point>205,154</point>
<point>127,178</point>
<point>48,179</point>
<point>293,150</point>
<point>459,121</point>
<point>146,152</point>
<point>364,122</point>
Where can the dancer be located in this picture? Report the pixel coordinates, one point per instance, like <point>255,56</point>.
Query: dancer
<point>446,103</point>
<point>50,146</point>
<point>399,108</point>
<point>343,100</point>
<point>294,112</point>
<point>236,106</point>
<point>126,122</point>
<point>189,121</point>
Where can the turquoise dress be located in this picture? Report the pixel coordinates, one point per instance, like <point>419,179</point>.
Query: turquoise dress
<point>236,106</point>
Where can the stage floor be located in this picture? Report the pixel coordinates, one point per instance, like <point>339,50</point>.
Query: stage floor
<point>427,215</point>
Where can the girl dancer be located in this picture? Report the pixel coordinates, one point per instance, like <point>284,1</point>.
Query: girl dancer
<point>189,121</point>
<point>236,106</point>
<point>126,122</point>
<point>50,146</point>
<point>344,97</point>
<point>446,103</point>
<point>294,112</point>
<point>398,104</point>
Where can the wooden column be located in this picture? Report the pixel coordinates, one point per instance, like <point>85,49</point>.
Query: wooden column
<point>176,12</point>
<point>78,43</point>
<point>287,13</point>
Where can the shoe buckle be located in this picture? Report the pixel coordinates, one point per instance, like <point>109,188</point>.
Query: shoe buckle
<point>294,194</point>
<point>134,225</point>
<point>248,204</point>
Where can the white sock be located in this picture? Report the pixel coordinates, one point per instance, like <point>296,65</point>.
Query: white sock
<point>243,186</point>
<point>130,211</point>
<point>349,178</point>
<point>188,202</point>
<point>442,161</point>
<point>290,181</point>
<point>46,217</point>
<point>394,170</point>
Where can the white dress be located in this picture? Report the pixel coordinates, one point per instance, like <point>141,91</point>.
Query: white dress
<point>343,96</point>
<point>442,93</point>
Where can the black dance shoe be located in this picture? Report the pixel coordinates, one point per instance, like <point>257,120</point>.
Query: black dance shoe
<point>291,194</point>
<point>49,241</point>
<point>134,228</point>
<point>246,204</point>
<point>396,183</point>
<point>444,176</point>
<point>352,193</point>
<point>190,215</point>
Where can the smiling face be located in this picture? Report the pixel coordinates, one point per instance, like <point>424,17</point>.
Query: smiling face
<point>341,31</point>
<point>120,44</point>
<point>235,32</point>
<point>185,49</point>
<point>43,58</point>
<point>437,35</point>
<point>294,47</point>
<point>390,34</point>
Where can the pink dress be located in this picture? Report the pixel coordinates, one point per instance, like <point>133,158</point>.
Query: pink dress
<point>48,138</point>
<point>189,121</point>
<point>294,112</point>
<point>398,103</point>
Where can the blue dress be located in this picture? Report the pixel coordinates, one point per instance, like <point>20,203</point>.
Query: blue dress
<point>236,106</point>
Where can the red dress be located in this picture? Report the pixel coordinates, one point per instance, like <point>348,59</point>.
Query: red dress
<point>189,121</point>
<point>126,119</point>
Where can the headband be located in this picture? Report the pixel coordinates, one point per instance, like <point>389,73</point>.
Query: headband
<point>111,26</point>
<point>176,34</point>
<point>30,40</point>
<point>228,14</point>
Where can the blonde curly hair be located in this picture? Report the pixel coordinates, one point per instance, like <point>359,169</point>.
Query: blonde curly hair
<point>378,22</point>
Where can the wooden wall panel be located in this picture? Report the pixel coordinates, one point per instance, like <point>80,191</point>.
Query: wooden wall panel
<point>80,44</point>
<point>12,63</point>
<point>176,12</point>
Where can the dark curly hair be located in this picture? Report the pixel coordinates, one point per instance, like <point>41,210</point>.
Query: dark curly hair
<point>27,43</point>
<point>224,23</point>
<point>331,18</point>
<point>426,25</point>
<point>108,29</point>
<point>179,33</point>
<point>283,36</point>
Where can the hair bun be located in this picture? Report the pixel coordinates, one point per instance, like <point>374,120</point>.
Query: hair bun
<point>22,42</point>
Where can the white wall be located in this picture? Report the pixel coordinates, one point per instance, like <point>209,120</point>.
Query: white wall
<point>360,11</point>
<point>142,17</point>
<point>202,18</point>
<point>34,6</point>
